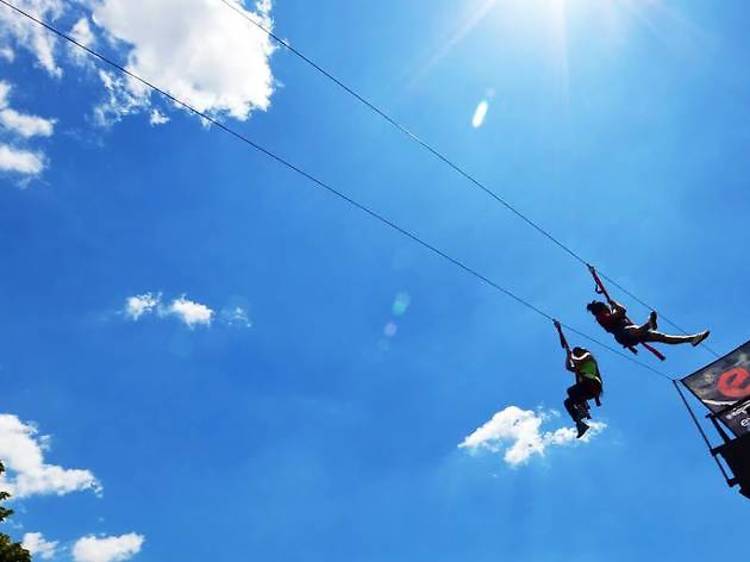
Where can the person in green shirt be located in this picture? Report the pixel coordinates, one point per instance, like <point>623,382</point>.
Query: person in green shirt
<point>588,386</point>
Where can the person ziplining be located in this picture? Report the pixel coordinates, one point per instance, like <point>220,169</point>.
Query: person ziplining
<point>727,376</point>
<point>613,317</point>
<point>582,363</point>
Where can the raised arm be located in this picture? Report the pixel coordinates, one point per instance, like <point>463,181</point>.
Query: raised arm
<point>569,365</point>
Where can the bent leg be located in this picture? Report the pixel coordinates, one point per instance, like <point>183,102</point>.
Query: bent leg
<point>576,404</point>
<point>570,407</point>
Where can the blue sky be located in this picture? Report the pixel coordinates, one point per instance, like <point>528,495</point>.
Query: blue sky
<point>308,432</point>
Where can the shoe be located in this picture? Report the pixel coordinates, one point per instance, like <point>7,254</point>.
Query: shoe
<point>700,338</point>
<point>652,320</point>
<point>582,429</point>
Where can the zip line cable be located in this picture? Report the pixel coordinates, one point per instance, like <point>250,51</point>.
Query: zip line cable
<point>447,161</point>
<point>327,187</point>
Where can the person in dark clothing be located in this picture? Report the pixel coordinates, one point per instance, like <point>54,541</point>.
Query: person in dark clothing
<point>614,319</point>
<point>581,362</point>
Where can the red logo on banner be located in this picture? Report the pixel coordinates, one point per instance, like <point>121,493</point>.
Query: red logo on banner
<point>735,383</point>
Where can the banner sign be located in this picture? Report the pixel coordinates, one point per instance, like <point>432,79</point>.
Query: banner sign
<point>724,388</point>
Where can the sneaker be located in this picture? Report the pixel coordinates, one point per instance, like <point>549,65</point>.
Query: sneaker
<point>582,429</point>
<point>700,338</point>
<point>652,320</point>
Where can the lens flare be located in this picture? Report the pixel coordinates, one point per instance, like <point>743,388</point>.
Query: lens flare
<point>480,114</point>
<point>401,304</point>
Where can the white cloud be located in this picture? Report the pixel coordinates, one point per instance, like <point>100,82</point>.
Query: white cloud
<point>31,36</point>
<point>198,50</point>
<point>124,96</point>
<point>82,33</point>
<point>480,114</point>
<point>517,434</point>
<point>137,306</point>
<point>14,158</point>
<point>157,118</point>
<point>22,451</point>
<point>38,546</point>
<point>107,549</point>
<point>20,161</point>
<point>190,312</point>
<point>25,125</point>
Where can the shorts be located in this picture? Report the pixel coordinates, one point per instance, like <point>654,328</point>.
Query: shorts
<point>626,338</point>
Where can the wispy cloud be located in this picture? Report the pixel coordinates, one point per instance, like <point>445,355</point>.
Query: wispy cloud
<point>190,312</point>
<point>107,549</point>
<point>39,547</point>
<point>124,96</point>
<point>518,435</point>
<point>137,306</point>
<point>14,124</point>
<point>4,94</point>
<point>229,75</point>
<point>26,125</point>
<point>22,450</point>
<point>7,54</point>
<point>29,36</point>
<point>157,118</point>
<point>83,33</point>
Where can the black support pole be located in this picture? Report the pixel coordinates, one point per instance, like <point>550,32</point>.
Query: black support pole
<point>700,430</point>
